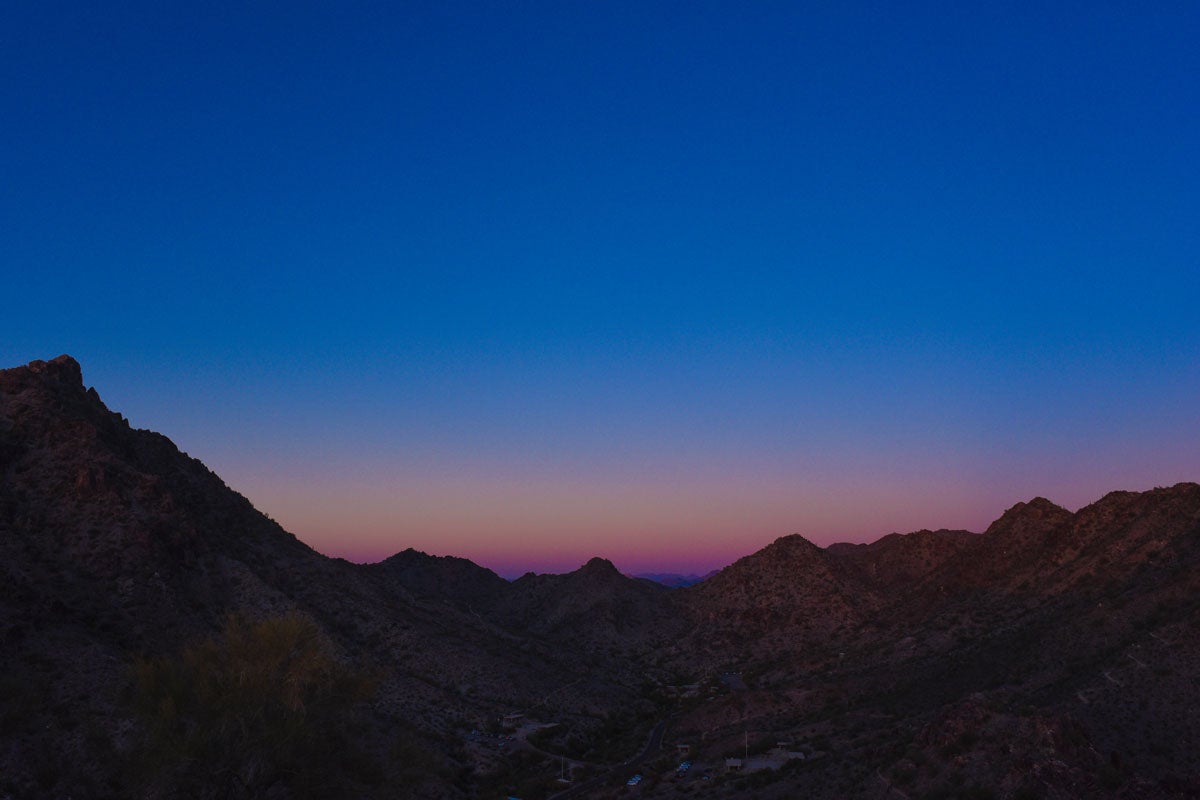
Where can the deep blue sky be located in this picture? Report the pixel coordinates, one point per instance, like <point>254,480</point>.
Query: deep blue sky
<point>529,282</point>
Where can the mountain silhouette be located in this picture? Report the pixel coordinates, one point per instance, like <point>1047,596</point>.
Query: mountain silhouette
<point>1052,655</point>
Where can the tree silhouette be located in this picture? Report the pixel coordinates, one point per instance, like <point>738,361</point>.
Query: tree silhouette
<point>263,709</point>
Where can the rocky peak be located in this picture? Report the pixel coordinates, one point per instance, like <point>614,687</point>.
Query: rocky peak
<point>1115,505</point>
<point>599,566</point>
<point>598,574</point>
<point>42,392</point>
<point>789,587</point>
<point>64,369</point>
<point>786,558</point>
<point>60,374</point>
<point>457,581</point>
<point>897,561</point>
<point>787,553</point>
<point>1037,515</point>
<point>793,542</point>
<point>1126,527</point>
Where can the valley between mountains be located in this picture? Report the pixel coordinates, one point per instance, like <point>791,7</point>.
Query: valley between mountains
<point>161,638</point>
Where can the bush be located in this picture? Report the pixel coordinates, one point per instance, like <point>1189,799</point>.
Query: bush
<point>263,706</point>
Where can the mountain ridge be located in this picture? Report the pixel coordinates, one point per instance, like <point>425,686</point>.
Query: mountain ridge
<point>1038,637</point>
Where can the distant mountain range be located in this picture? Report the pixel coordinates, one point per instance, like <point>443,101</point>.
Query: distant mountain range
<point>162,638</point>
<point>674,580</point>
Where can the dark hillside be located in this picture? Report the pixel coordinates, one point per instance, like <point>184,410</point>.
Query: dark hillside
<point>162,638</point>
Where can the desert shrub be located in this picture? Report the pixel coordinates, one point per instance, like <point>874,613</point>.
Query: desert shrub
<point>262,708</point>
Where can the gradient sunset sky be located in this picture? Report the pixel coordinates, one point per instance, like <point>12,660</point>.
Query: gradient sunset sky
<point>532,282</point>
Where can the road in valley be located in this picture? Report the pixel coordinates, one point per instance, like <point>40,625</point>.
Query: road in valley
<point>653,745</point>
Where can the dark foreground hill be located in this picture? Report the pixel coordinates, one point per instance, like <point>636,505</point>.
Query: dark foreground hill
<point>115,546</point>
<point>159,637</point>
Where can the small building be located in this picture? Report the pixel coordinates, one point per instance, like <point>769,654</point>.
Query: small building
<point>683,749</point>
<point>733,765</point>
<point>512,720</point>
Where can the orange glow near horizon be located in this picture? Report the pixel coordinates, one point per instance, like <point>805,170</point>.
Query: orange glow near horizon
<point>556,524</point>
<point>674,511</point>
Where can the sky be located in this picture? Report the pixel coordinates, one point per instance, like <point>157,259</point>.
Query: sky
<point>532,282</point>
